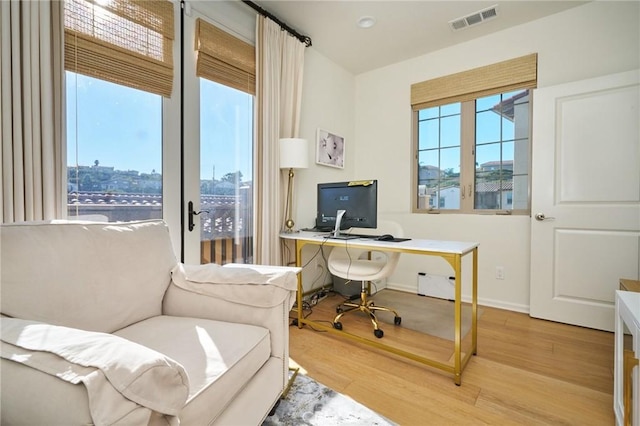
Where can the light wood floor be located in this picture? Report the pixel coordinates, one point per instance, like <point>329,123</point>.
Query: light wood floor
<point>527,372</point>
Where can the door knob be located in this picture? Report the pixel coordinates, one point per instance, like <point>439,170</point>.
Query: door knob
<point>541,217</point>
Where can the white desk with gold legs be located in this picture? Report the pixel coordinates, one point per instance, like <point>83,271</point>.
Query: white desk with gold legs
<point>451,251</point>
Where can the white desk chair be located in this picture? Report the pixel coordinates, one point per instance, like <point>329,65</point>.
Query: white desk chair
<point>356,264</point>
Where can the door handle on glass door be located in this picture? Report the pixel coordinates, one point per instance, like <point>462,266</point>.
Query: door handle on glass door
<point>193,213</point>
<point>541,217</point>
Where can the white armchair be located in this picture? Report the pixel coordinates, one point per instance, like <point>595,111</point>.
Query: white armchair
<point>101,325</point>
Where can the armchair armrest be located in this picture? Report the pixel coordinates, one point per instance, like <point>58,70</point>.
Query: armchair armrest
<point>247,294</point>
<point>258,286</point>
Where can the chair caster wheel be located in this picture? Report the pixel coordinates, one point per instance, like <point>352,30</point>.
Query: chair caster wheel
<point>397,320</point>
<point>378,333</point>
<point>337,325</point>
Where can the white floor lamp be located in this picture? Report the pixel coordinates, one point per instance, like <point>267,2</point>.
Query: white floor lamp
<point>294,154</point>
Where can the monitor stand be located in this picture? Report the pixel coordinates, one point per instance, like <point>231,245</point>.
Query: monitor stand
<point>336,232</point>
<point>339,215</point>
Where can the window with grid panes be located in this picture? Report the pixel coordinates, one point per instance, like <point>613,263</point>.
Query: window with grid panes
<point>472,140</point>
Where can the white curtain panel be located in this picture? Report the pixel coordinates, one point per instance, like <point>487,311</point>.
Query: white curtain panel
<point>33,154</point>
<point>279,72</point>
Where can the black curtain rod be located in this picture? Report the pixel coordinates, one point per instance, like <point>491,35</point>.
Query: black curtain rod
<point>303,38</point>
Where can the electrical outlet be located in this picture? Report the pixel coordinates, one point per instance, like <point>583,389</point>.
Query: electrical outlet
<point>500,272</point>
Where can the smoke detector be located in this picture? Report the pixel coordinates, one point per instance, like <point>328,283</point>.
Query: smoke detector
<point>366,22</point>
<point>474,18</point>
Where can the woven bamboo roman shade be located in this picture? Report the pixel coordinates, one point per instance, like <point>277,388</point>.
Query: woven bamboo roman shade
<point>224,58</point>
<point>128,42</point>
<point>514,74</point>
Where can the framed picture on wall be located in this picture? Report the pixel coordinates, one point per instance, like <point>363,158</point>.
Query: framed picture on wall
<point>330,149</point>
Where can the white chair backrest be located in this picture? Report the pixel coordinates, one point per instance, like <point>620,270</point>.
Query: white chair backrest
<point>345,264</point>
<point>340,255</point>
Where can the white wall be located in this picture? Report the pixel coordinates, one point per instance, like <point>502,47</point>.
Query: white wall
<point>327,103</point>
<point>596,39</point>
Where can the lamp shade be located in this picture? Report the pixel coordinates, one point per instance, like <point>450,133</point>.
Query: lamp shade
<point>294,153</point>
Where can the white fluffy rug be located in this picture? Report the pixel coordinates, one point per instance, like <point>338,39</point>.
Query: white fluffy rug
<point>311,403</point>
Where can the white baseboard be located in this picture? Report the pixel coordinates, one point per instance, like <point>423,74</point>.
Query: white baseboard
<point>515,307</point>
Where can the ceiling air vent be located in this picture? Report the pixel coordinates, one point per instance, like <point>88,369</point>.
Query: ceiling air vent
<point>474,18</point>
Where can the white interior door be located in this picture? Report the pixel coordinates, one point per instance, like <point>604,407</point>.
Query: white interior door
<point>585,224</point>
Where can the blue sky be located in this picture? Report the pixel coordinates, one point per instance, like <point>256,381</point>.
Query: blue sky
<point>122,127</point>
<point>226,130</point>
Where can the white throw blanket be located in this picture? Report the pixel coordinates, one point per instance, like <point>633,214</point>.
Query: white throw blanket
<point>123,378</point>
<point>253,285</point>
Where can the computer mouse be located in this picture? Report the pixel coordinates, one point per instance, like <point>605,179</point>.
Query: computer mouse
<point>385,237</point>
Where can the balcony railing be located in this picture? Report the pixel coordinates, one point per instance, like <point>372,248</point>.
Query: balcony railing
<point>226,231</point>
<point>227,250</point>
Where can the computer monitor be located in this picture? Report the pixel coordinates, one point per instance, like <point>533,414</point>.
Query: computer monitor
<point>358,199</point>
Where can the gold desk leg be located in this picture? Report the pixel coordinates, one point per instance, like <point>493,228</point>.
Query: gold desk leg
<point>291,380</point>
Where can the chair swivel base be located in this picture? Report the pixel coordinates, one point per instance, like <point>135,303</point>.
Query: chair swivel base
<point>368,307</point>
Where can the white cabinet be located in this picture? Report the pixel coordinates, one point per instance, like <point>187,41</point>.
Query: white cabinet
<point>626,388</point>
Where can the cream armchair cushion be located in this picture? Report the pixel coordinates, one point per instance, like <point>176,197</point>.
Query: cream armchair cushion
<point>93,276</point>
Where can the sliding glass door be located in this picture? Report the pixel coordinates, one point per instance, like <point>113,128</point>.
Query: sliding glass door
<point>218,154</point>
<point>127,159</point>
<point>226,175</point>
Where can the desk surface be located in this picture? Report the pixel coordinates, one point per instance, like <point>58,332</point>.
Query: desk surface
<point>453,247</point>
